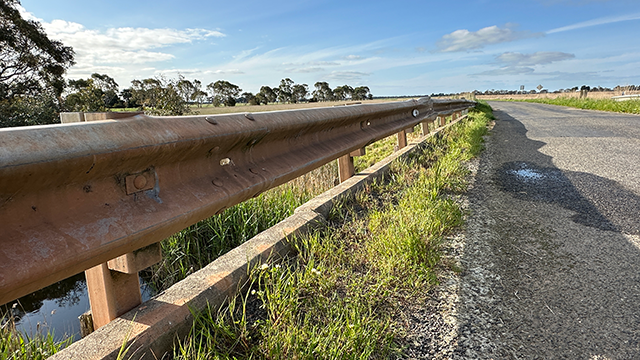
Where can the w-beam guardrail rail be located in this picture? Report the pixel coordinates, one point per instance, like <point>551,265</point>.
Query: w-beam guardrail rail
<point>99,196</point>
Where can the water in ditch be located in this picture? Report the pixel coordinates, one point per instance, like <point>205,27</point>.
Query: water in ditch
<point>56,308</point>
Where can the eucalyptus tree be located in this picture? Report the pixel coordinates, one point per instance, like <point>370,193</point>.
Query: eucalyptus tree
<point>198,94</point>
<point>31,70</point>
<point>159,96</point>
<point>268,95</point>
<point>250,98</point>
<point>360,93</point>
<point>97,93</point>
<point>185,88</point>
<point>299,92</point>
<point>224,92</point>
<point>342,92</point>
<point>323,91</point>
<point>285,91</point>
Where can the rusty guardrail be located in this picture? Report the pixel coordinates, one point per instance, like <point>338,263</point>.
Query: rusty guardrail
<point>90,196</point>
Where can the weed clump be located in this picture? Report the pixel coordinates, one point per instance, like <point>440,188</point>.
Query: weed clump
<point>16,345</point>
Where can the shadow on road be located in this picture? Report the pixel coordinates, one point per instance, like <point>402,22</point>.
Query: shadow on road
<point>552,261</point>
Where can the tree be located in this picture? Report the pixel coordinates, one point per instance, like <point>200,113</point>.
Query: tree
<point>98,93</point>
<point>323,91</point>
<point>267,95</point>
<point>299,92</point>
<point>251,99</point>
<point>38,109</point>
<point>159,96</point>
<point>185,88</point>
<point>31,69</point>
<point>342,92</point>
<point>360,93</point>
<point>285,91</point>
<point>225,92</point>
<point>127,97</point>
<point>198,94</point>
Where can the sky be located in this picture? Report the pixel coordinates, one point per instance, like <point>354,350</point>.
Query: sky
<point>393,47</point>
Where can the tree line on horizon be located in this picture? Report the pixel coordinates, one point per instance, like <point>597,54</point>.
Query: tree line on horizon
<point>162,96</point>
<point>33,90</point>
<point>618,88</point>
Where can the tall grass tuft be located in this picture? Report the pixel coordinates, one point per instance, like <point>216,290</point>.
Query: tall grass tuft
<point>16,345</point>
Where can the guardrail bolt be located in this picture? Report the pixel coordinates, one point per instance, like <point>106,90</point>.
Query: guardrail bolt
<point>140,182</point>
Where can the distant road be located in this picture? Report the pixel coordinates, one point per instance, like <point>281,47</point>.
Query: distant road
<point>552,259</point>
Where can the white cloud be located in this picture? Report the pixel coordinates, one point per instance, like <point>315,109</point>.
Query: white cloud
<point>195,73</point>
<point>507,70</point>
<point>314,63</point>
<point>352,57</point>
<point>596,22</point>
<point>537,58</point>
<point>464,40</point>
<point>229,72</point>
<point>352,76</point>
<point>308,67</point>
<point>129,39</point>
<point>125,47</point>
<point>305,70</point>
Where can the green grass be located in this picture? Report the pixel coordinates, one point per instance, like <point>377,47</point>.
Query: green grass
<point>629,106</point>
<point>196,246</point>
<point>339,297</point>
<point>15,345</point>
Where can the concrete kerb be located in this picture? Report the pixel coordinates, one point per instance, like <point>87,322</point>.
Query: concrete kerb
<point>150,329</point>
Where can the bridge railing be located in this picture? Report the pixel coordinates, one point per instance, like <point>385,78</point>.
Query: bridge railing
<point>99,196</point>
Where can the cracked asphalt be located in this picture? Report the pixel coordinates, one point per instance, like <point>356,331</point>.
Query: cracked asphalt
<point>551,250</point>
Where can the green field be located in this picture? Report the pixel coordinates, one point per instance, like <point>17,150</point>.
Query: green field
<point>629,106</point>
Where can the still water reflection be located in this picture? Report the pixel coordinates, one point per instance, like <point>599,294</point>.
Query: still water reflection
<point>56,308</point>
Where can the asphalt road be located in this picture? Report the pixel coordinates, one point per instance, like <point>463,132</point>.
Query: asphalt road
<point>551,259</point>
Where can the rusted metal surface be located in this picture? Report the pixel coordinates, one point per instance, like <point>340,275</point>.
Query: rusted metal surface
<point>71,195</point>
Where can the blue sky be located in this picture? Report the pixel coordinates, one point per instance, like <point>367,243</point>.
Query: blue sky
<point>394,47</point>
